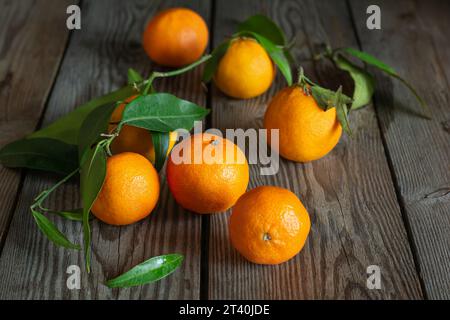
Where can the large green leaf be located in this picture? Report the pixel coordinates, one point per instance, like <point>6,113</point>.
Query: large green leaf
<point>341,111</point>
<point>40,154</point>
<point>364,82</point>
<point>264,26</point>
<point>275,53</point>
<point>212,64</point>
<point>92,176</point>
<point>162,112</point>
<point>49,229</point>
<point>148,271</point>
<point>93,125</point>
<point>161,146</point>
<point>66,128</point>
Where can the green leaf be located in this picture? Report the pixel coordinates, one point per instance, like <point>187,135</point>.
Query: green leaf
<point>66,129</point>
<point>364,82</point>
<point>73,215</point>
<point>92,176</point>
<point>369,59</point>
<point>341,111</point>
<point>40,154</point>
<point>148,271</point>
<point>134,77</point>
<point>211,65</point>
<point>264,26</point>
<point>161,145</point>
<point>94,124</point>
<point>275,53</point>
<point>325,98</point>
<point>162,112</point>
<point>51,232</point>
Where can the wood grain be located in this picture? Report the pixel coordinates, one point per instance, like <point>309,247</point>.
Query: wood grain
<point>96,62</point>
<point>356,220</point>
<point>416,35</point>
<point>24,27</point>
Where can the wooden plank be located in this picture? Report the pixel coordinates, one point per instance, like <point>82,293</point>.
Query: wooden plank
<point>26,26</point>
<point>96,62</point>
<point>416,35</point>
<point>356,220</point>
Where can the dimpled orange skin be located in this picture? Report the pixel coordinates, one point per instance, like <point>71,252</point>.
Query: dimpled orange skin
<point>130,191</point>
<point>175,37</point>
<point>208,187</point>
<point>134,139</point>
<point>306,132</point>
<point>245,71</point>
<point>269,225</point>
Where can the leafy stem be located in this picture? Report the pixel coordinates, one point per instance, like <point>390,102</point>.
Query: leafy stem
<point>157,74</point>
<point>46,193</point>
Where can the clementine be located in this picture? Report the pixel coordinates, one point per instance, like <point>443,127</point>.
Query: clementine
<point>130,190</point>
<point>175,37</point>
<point>306,131</point>
<point>245,71</point>
<point>269,225</point>
<point>213,175</point>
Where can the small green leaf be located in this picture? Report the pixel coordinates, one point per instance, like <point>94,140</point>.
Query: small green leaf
<point>364,82</point>
<point>162,112</point>
<point>92,176</point>
<point>134,77</point>
<point>275,53</point>
<point>73,215</point>
<point>66,129</point>
<point>161,146</point>
<point>212,64</point>
<point>93,125</point>
<point>325,98</point>
<point>51,232</point>
<point>264,26</point>
<point>40,154</point>
<point>148,271</point>
<point>341,111</point>
<point>369,59</point>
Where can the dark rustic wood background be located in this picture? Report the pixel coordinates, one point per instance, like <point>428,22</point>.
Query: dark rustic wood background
<point>381,197</point>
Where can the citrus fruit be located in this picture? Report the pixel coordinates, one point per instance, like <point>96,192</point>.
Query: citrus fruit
<point>245,71</point>
<point>175,37</point>
<point>130,190</point>
<point>269,225</point>
<point>134,139</point>
<point>214,175</point>
<point>306,132</point>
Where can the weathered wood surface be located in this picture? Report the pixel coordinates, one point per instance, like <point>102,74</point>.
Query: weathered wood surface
<point>415,41</point>
<point>24,27</point>
<point>96,62</point>
<point>381,197</point>
<point>356,220</point>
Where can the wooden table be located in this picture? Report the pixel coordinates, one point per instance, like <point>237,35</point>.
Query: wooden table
<point>379,198</point>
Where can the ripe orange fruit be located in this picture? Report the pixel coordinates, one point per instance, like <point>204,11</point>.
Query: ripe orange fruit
<point>130,190</point>
<point>215,181</point>
<point>269,225</point>
<point>175,37</point>
<point>307,132</point>
<point>134,139</point>
<point>245,71</point>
